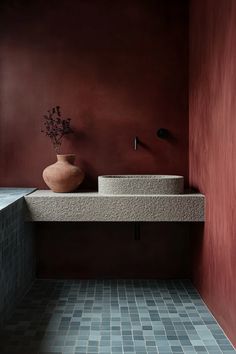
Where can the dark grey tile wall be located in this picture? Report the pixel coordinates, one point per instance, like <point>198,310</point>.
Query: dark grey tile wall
<point>17,259</point>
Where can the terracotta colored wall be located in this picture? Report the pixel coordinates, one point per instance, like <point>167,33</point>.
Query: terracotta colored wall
<point>213,152</point>
<point>117,68</point>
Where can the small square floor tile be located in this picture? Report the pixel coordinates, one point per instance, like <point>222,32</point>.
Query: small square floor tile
<point>113,317</point>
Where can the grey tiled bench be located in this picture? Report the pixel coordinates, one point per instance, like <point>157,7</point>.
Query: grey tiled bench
<point>16,250</point>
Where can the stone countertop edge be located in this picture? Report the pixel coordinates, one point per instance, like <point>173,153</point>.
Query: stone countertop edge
<point>10,195</point>
<point>47,193</point>
<point>45,205</point>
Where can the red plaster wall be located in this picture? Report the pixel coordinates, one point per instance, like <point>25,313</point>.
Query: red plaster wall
<point>213,152</point>
<point>117,68</point>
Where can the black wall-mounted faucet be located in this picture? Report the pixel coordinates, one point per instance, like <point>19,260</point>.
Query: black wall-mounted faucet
<point>163,133</point>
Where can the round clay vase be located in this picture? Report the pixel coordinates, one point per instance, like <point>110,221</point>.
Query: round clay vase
<point>63,176</point>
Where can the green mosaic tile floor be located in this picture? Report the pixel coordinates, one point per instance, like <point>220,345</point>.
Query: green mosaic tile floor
<point>115,317</point>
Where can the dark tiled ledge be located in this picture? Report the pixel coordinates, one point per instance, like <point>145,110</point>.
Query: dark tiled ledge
<point>11,195</point>
<point>17,259</point>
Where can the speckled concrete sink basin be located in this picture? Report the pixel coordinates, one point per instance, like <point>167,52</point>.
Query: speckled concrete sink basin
<point>140,184</point>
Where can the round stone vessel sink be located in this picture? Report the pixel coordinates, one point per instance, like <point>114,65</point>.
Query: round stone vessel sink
<point>140,184</point>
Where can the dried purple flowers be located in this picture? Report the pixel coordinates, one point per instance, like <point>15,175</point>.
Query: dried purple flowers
<point>55,127</point>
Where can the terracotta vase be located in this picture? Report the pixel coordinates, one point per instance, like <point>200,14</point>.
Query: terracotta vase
<point>63,176</point>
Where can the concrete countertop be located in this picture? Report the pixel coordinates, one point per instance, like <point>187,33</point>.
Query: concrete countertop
<point>44,205</point>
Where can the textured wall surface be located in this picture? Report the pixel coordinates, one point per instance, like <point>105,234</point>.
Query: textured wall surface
<point>17,260</point>
<point>117,68</point>
<point>213,152</point>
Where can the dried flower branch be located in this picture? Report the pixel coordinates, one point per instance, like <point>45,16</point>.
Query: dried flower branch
<point>55,127</point>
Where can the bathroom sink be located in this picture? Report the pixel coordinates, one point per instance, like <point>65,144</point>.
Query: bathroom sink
<point>140,184</point>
